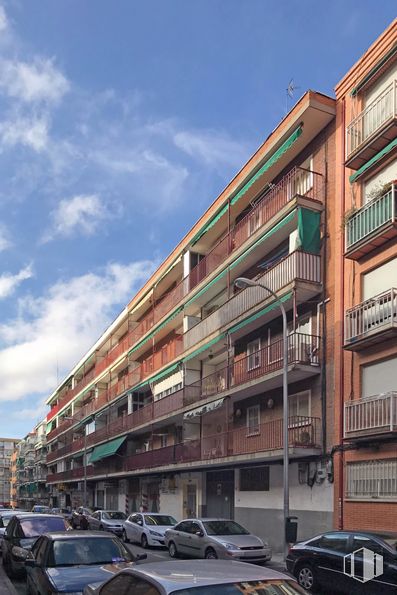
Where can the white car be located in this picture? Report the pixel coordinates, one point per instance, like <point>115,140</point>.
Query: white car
<point>147,528</point>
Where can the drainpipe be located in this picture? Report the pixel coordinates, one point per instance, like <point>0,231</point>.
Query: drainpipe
<point>323,340</point>
<point>342,316</point>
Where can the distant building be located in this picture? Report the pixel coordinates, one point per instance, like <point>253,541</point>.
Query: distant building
<point>7,446</point>
<point>31,468</point>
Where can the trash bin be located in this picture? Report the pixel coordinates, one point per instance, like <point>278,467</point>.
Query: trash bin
<point>291,529</point>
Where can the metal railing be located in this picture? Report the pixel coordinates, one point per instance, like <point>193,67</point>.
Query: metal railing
<point>381,110</point>
<point>376,479</point>
<point>374,315</point>
<point>296,266</point>
<point>371,217</point>
<point>371,415</point>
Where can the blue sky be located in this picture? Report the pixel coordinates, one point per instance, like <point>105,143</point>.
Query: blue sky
<point>119,123</point>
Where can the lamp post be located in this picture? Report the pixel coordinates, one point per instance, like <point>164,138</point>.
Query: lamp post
<point>242,283</point>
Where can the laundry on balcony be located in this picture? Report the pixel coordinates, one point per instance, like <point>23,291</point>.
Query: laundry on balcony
<point>207,408</point>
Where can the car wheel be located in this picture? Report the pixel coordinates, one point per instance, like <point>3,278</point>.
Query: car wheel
<point>124,536</point>
<point>144,541</point>
<point>173,552</point>
<point>211,554</point>
<point>306,577</point>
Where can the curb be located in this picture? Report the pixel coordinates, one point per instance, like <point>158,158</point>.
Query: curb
<point>6,586</point>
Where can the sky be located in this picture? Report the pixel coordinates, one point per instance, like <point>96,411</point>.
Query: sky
<point>120,122</point>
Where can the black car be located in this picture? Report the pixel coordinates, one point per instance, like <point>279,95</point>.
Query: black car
<point>67,562</point>
<point>348,562</point>
<point>21,532</point>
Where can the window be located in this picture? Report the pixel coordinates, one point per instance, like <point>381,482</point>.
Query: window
<point>378,378</point>
<point>163,440</point>
<point>335,542</point>
<point>254,479</point>
<point>253,354</point>
<point>124,584</point>
<point>184,527</point>
<point>304,177</point>
<point>360,541</point>
<point>253,420</point>
<point>299,406</point>
<point>380,279</point>
<point>372,480</point>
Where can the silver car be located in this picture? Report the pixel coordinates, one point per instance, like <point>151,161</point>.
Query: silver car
<point>219,577</point>
<point>147,528</point>
<point>107,520</point>
<point>216,538</point>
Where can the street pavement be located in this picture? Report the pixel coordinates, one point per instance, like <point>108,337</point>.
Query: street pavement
<point>18,587</point>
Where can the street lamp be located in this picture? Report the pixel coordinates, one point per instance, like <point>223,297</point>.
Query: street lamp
<point>242,283</point>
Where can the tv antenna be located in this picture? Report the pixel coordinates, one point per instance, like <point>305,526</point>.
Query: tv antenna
<point>289,93</point>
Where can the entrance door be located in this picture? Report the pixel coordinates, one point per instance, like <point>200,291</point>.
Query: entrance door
<point>220,494</point>
<point>190,500</point>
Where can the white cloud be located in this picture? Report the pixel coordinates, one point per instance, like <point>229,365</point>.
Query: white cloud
<point>58,328</point>
<point>3,19</point>
<point>37,81</point>
<point>28,131</point>
<point>5,242</point>
<point>81,213</point>
<point>211,147</point>
<point>9,283</point>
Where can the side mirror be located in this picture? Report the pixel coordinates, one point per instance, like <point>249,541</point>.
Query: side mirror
<point>200,533</point>
<point>19,553</point>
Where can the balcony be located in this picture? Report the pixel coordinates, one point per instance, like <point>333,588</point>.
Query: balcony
<point>265,443</point>
<point>297,267</point>
<point>373,128</point>
<point>372,321</point>
<point>372,225</point>
<point>373,416</point>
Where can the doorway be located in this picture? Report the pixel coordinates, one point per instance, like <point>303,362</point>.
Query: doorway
<point>220,494</point>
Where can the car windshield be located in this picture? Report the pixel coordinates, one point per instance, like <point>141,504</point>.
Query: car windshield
<point>262,587</point>
<point>88,550</point>
<point>114,515</point>
<point>224,528</point>
<point>37,526</point>
<point>160,519</point>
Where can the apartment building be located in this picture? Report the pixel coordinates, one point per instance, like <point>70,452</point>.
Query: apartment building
<point>366,280</point>
<point>31,468</point>
<point>7,446</point>
<point>178,406</point>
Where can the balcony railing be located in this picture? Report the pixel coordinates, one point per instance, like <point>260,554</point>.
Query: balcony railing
<point>302,349</point>
<point>372,225</point>
<point>297,266</point>
<point>371,120</point>
<point>373,415</point>
<point>298,182</point>
<point>303,432</point>
<point>371,320</point>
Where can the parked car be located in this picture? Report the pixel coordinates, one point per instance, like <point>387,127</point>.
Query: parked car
<point>21,532</point>
<point>107,520</point>
<point>67,562</point>
<point>219,577</point>
<point>5,517</point>
<point>216,538</point>
<point>338,558</point>
<point>40,509</point>
<point>65,512</point>
<point>77,514</point>
<point>147,528</point>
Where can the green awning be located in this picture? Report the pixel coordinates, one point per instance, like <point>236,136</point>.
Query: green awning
<point>211,223</point>
<point>156,330</point>
<point>268,308</point>
<point>106,450</point>
<point>165,372</point>
<point>206,287</point>
<point>268,164</point>
<point>207,408</point>
<point>204,347</point>
<point>309,230</point>
<point>265,236</point>
<point>374,71</point>
<point>374,160</point>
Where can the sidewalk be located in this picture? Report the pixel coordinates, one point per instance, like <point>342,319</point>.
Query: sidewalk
<point>6,586</point>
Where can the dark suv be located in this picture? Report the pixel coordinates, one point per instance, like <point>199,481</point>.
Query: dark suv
<point>346,562</point>
<point>21,532</point>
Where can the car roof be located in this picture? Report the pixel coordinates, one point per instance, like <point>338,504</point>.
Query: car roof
<point>37,515</point>
<point>79,534</point>
<point>207,519</point>
<point>181,574</point>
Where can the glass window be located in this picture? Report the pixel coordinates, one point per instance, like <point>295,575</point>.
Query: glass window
<point>335,542</point>
<point>262,587</point>
<point>114,515</point>
<point>224,528</point>
<point>194,528</point>
<point>32,527</point>
<point>87,550</point>
<point>360,541</point>
<point>253,354</point>
<point>299,405</point>
<point>160,519</point>
<point>184,527</point>
<point>253,420</point>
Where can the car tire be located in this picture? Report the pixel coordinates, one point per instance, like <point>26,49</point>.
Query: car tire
<point>210,554</point>
<point>173,552</point>
<point>306,576</point>
<point>124,536</point>
<point>144,541</point>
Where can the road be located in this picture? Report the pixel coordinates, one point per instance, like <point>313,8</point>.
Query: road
<point>153,555</point>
